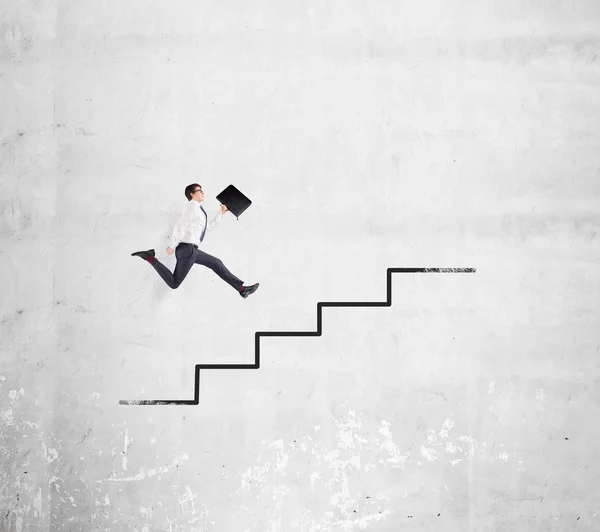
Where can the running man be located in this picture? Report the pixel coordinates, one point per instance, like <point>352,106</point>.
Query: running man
<point>188,233</point>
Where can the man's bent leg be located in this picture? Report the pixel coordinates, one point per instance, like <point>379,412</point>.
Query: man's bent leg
<point>217,266</point>
<point>185,261</point>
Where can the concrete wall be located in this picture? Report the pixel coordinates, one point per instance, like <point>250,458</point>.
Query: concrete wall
<point>368,135</point>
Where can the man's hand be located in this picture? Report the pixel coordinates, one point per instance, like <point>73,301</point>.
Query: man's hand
<point>169,251</point>
<point>223,209</point>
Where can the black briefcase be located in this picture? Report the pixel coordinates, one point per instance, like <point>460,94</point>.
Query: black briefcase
<point>234,200</point>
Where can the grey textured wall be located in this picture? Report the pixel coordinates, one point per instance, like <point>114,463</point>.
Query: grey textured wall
<point>368,135</point>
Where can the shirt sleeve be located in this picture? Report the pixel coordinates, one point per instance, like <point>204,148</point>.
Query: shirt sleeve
<point>213,223</point>
<point>181,225</point>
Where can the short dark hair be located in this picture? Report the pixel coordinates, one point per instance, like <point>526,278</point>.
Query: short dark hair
<point>189,190</point>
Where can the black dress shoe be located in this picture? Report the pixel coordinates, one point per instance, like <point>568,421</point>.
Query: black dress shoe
<point>144,254</point>
<point>247,290</point>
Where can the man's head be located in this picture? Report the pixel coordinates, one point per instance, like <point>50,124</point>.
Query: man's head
<point>194,192</point>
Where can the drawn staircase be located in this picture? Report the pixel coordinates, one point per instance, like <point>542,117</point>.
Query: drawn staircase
<point>318,332</point>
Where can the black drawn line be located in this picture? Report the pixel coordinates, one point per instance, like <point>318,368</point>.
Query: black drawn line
<point>261,334</point>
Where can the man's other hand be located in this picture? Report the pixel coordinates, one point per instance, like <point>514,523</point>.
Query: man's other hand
<point>223,209</point>
<point>169,251</point>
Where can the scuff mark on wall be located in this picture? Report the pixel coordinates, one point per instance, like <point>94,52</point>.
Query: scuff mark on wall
<point>7,417</point>
<point>354,451</point>
<point>14,395</point>
<point>148,473</point>
<point>396,458</point>
<point>49,454</point>
<point>348,509</point>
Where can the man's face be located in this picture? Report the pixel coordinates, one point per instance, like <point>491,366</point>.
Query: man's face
<point>198,194</point>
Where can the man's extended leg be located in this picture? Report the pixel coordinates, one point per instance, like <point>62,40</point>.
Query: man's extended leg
<point>217,266</point>
<point>185,261</point>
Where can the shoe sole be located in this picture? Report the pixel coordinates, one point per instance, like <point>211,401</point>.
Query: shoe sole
<point>137,254</point>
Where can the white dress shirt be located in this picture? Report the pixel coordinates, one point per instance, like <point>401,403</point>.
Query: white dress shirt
<point>190,225</point>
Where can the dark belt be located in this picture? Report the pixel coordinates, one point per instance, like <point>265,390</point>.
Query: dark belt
<point>186,244</point>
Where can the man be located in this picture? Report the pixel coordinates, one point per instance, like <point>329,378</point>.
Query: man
<point>188,233</point>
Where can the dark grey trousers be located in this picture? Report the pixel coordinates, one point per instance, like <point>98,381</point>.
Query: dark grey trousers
<point>187,255</point>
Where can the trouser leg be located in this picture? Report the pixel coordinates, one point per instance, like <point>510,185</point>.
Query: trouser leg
<point>185,261</point>
<point>217,266</point>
